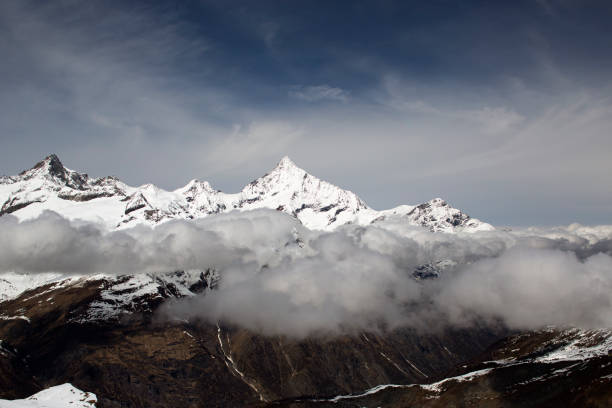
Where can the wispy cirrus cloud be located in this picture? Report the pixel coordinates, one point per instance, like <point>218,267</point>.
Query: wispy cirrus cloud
<point>319,93</point>
<point>244,145</point>
<point>397,103</point>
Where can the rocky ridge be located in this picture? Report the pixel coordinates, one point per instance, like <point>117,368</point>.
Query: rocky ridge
<point>544,368</point>
<point>130,359</point>
<point>316,203</point>
<point>59,333</point>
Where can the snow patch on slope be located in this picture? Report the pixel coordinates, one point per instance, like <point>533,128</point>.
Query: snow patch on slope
<point>60,396</point>
<point>14,284</point>
<point>579,345</point>
<point>576,345</point>
<point>118,294</point>
<point>139,292</point>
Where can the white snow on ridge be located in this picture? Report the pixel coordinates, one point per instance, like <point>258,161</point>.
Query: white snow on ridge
<point>60,396</point>
<point>437,386</point>
<point>126,292</point>
<point>118,295</point>
<point>102,211</point>
<point>581,345</point>
<point>433,387</point>
<point>14,284</point>
<point>316,203</point>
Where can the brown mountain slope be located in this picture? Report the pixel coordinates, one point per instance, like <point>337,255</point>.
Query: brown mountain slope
<point>535,369</point>
<point>136,361</point>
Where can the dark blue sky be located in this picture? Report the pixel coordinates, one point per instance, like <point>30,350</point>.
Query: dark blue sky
<point>502,108</point>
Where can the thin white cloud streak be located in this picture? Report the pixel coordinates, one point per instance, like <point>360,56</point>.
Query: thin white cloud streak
<point>319,93</point>
<point>260,140</point>
<point>553,135</point>
<point>541,160</point>
<point>123,108</point>
<point>120,99</point>
<point>493,120</point>
<point>490,120</point>
<point>279,278</point>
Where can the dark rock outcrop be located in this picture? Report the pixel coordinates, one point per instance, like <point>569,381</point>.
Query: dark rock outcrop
<point>137,360</point>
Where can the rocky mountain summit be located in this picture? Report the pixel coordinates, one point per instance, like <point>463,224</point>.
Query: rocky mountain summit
<point>49,178</point>
<point>316,203</point>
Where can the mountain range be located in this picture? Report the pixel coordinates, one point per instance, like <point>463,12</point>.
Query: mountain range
<point>317,204</point>
<point>98,340</point>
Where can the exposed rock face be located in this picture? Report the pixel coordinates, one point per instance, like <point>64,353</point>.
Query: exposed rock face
<point>50,179</point>
<point>551,368</point>
<point>101,335</point>
<point>288,188</point>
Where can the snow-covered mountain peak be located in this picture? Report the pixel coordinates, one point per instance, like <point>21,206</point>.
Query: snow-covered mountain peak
<point>49,165</point>
<point>51,174</point>
<point>196,186</point>
<point>437,215</point>
<point>318,204</point>
<point>286,163</point>
<point>50,182</point>
<point>51,170</point>
<point>286,174</point>
<point>150,189</point>
<point>288,178</point>
<point>438,202</point>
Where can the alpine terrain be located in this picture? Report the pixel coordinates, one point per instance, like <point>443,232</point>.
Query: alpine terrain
<point>316,203</point>
<point>97,340</point>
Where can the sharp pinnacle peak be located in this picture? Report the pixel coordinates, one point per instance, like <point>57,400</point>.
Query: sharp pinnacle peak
<point>286,162</point>
<point>287,166</point>
<point>55,165</point>
<point>52,163</point>
<point>52,157</point>
<point>52,160</point>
